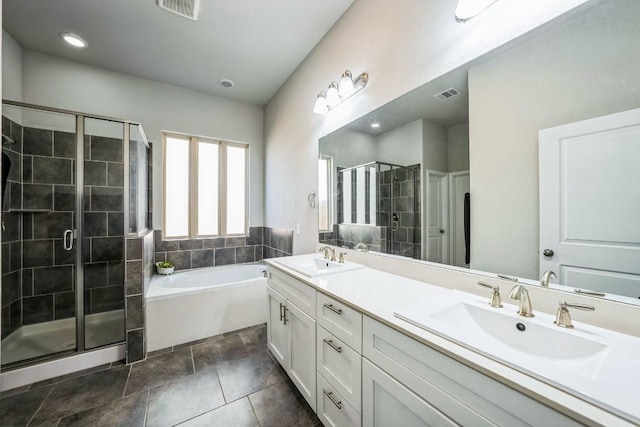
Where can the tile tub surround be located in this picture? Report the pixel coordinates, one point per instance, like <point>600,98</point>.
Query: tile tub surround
<point>138,271</point>
<point>229,379</point>
<point>260,243</point>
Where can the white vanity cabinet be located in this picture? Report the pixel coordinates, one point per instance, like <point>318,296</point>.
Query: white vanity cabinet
<point>437,387</point>
<point>339,363</point>
<point>291,330</point>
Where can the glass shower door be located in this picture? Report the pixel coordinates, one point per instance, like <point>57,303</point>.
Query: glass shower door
<point>38,246</point>
<point>103,230</point>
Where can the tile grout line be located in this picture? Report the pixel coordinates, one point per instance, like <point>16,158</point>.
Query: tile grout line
<point>42,404</point>
<point>253,409</point>
<point>146,408</point>
<point>127,382</point>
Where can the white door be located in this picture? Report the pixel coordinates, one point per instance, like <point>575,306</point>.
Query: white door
<point>459,185</point>
<point>302,352</point>
<point>277,338</point>
<point>437,202</point>
<point>590,203</point>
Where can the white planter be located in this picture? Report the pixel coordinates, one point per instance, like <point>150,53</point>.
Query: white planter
<point>164,271</point>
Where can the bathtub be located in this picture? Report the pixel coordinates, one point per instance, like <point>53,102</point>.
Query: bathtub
<point>195,304</point>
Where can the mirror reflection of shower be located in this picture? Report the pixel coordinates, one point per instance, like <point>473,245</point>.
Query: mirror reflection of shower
<point>378,205</point>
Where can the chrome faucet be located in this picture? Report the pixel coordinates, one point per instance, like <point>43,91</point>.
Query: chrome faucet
<point>326,250</point>
<point>521,294</point>
<point>563,318</point>
<point>546,277</point>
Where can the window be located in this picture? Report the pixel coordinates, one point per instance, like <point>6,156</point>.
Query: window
<point>205,187</point>
<point>325,177</point>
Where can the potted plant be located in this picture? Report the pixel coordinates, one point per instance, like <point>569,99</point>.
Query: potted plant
<point>164,267</point>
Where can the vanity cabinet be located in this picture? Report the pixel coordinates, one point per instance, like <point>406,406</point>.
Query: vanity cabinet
<point>435,385</point>
<point>339,363</point>
<point>291,331</point>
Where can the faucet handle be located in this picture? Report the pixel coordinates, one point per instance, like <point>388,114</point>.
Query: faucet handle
<point>563,318</point>
<point>341,259</point>
<point>495,301</point>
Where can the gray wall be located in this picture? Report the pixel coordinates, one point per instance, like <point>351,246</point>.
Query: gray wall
<point>458,148</point>
<point>401,48</point>
<point>589,71</point>
<point>57,82</point>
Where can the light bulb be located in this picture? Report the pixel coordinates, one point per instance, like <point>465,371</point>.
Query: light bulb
<point>333,98</point>
<point>321,106</point>
<point>346,87</point>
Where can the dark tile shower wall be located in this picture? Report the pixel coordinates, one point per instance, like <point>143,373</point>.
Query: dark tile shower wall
<point>38,275</point>
<point>12,235</point>
<point>104,224</point>
<point>400,194</point>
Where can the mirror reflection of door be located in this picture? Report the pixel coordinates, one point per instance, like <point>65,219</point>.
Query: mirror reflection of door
<point>437,217</point>
<point>590,203</point>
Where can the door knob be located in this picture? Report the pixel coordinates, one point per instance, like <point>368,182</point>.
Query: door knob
<point>548,253</point>
<point>441,231</point>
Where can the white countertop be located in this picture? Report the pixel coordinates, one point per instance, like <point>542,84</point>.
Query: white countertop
<point>378,295</point>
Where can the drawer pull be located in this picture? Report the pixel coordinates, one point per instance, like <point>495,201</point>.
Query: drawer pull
<point>332,308</point>
<point>281,311</point>
<point>329,394</point>
<point>332,345</point>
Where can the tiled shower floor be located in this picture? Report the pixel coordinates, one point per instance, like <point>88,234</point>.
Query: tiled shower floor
<point>227,380</point>
<point>46,338</point>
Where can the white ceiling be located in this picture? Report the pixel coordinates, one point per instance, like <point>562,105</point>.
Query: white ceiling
<point>255,43</point>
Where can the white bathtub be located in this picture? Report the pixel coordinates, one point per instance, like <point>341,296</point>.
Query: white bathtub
<point>195,304</point>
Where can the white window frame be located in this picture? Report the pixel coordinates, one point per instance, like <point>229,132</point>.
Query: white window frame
<point>193,186</point>
<point>329,184</point>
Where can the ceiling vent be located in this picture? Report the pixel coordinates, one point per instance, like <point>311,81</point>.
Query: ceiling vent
<point>185,8</point>
<point>449,93</point>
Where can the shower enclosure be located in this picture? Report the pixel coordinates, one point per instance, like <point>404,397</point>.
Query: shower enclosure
<point>73,186</point>
<point>379,206</point>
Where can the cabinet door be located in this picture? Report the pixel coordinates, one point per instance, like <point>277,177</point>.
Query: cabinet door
<point>277,337</point>
<point>301,360</point>
<point>386,402</point>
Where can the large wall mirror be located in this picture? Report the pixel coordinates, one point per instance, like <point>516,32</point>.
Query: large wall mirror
<point>522,161</point>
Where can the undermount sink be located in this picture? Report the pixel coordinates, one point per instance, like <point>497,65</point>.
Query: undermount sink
<point>471,322</point>
<point>314,265</point>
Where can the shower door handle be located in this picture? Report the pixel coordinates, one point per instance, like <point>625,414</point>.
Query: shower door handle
<point>67,240</point>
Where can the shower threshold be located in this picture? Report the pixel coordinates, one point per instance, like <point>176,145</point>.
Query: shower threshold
<point>47,338</point>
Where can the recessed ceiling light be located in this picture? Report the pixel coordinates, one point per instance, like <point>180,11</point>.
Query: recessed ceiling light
<point>74,40</point>
<point>227,83</point>
<point>375,125</point>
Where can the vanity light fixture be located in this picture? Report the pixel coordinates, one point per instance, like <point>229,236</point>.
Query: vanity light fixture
<point>467,9</point>
<point>338,93</point>
<point>74,40</point>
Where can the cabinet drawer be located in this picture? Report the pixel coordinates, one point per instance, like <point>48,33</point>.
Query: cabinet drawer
<point>333,409</point>
<point>340,365</point>
<point>299,293</point>
<point>464,394</point>
<point>342,321</point>
<point>386,402</point>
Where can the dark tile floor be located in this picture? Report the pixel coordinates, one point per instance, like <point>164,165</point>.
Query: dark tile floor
<point>226,380</point>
